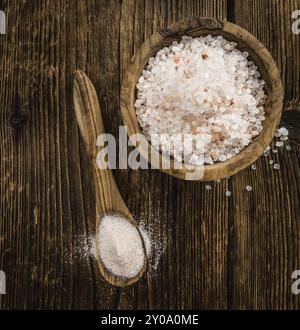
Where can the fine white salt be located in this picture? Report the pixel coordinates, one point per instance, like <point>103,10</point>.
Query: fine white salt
<point>203,98</point>
<point>120,246</point>
<point>147,240</point>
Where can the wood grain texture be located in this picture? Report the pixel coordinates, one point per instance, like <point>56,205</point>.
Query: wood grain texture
<point>236,252</point>
<point>271,22</point>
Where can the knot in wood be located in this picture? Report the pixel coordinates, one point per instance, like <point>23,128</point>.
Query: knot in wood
<point>18,119</point>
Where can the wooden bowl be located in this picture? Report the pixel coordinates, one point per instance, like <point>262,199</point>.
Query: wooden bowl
<point>245,42</point>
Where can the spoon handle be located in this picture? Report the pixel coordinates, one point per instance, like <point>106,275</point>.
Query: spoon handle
<point>88,114</point>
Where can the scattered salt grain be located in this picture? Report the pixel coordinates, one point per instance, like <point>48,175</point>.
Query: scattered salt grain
<point>147,240</point>
<point>208,187</point>
<point>228,193</point>
<point>267,151</point>
<point>283,131</point>
<point>276,166</point>
<point>271,162</point>
<point>155,239</point>
<point>248,188</point>
<point>253,166</point>
<point>279,144</point>
<point>288,148</point>
<point>284,138</point>
<point>207,89</point>
<point>274,151</point>
<point>120,246</point>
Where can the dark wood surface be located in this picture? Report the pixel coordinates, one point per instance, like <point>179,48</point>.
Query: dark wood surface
<point>236,252</point>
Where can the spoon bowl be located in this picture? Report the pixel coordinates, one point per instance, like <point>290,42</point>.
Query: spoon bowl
<point>112,278</point>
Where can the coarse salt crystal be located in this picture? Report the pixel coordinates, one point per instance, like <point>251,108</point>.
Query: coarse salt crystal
<point>228,193</point>
<point>248,188</point>
<point>220,94</point>
<point>283,131</point>
<point>276,166</point>
<point>284,138</point>
<point>279,144</point>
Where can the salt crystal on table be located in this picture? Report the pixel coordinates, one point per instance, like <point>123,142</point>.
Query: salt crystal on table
<point>248,188</point>
<point>288,148</point>
<point>228,193</point>
<point>283,131</point>
<point>276,166</point>
<point>208,187</point>
<point>271,162</point>
<point>284,138</point>
<point>279,144</point>
<point>253,166</point>
<point>267,151</point>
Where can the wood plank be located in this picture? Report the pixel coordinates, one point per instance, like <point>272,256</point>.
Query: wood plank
<point>266,230</point>
<point>271,22</point>
<point>192,272</point>
<point>264,222</point>
<point>47,210</point>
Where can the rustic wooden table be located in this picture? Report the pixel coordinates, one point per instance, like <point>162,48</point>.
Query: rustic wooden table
<point>221,253</point>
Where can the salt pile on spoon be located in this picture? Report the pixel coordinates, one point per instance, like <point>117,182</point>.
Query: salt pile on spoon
<point>121,246</point>
<point>205,89</point>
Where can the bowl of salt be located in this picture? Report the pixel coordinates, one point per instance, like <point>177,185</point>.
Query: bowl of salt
<point>205,96</point>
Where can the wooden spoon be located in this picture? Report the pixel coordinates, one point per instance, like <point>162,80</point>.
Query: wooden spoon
<point>108,198</point>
